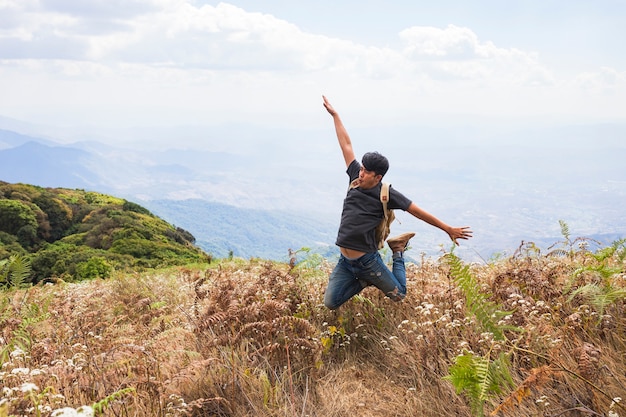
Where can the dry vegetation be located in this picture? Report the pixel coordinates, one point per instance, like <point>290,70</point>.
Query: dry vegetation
<point>252,338</point>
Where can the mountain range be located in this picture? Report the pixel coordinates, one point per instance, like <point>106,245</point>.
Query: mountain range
<point>268,191</point>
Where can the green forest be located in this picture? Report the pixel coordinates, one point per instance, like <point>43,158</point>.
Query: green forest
<point>75,234</point>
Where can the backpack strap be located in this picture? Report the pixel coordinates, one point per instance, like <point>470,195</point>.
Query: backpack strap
<point>384,195</point>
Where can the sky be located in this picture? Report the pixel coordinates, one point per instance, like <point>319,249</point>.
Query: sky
<point>168,63</point>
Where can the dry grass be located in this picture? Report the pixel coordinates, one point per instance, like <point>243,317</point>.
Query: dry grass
<point>254,339</point>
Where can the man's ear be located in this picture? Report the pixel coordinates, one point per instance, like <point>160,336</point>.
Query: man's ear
<point>379,177</point>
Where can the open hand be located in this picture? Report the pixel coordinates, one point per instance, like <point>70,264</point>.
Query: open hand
<point>460,233</point>
<point>328,106</point>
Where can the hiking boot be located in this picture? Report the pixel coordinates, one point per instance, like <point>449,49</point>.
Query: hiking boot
<point>400,242</point>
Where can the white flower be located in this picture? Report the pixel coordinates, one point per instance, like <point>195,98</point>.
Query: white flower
<point>64,412</point>
<point>20,371</point>
<point>28,387</point>
<point>85,411</point>
<point>17,353</point>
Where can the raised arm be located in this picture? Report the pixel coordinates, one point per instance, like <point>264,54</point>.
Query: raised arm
<point>342,134</point>
<point>454,232</point>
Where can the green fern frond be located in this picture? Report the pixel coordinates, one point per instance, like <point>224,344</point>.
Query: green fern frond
<point>620,250</point>
<point>103,404</point>
<point>558,252</point>
<point>483,376</point>
<point>15,271</point>
<point>600,298</point>
<point>586,291</point>
<point>486,312</point>
<point>604,299</point>
<point>462,374</point>
<point>479,378</point>
<point>564,230</point>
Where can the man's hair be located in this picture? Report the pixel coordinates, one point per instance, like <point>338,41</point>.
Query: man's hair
<point>373,161</point>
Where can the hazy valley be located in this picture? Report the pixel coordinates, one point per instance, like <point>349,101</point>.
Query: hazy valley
<point>259,192</point>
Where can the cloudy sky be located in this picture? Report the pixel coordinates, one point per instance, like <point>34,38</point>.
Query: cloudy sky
<point>121,63</point>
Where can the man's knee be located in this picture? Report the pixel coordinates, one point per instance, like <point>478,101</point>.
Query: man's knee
<point>329,303</point>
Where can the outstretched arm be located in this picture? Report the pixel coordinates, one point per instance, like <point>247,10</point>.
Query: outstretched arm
<point>454,232</point>
<point>342,134</point>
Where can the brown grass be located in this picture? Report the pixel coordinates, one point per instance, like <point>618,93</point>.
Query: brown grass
<point>254,339</point>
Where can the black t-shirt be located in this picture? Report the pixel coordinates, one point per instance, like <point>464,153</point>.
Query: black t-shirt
<point>362,212</point>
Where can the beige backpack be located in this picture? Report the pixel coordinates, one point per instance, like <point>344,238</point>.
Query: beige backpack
<point>384,227</point>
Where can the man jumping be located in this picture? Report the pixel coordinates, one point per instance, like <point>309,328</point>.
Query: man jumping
<point>360,264</point>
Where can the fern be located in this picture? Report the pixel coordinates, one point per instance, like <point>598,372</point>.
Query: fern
<point>602,293</point>
<point>14,271</point>
<point>102,405</point>
<point>31,314</point>
<point>599,297</point>
<point>486,312</point>
<point>480,378</point>
<point>569,247</point>
<point>564,230</point>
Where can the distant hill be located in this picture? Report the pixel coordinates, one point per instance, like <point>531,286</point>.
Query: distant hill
<point>248,233</point>
<point>9,139</point>
<point>76,234</point>
<point>47,166</point>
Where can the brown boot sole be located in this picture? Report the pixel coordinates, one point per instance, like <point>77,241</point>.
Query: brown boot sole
<point>399,243</point>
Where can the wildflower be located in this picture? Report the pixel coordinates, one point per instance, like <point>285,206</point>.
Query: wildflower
<point>17,353</point>
<point>555,342</point>
<point>542,400</point>
<point>20,371</point>
<point>64,412</point>
<point>28,387</point>
<point>85,411</point>
<point>615,401</point>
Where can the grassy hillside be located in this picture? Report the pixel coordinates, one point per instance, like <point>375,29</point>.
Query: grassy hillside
<point>77,234</point>
<point>531,335</point>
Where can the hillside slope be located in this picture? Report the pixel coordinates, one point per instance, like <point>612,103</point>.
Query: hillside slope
<point>223,229</point>
<point>77,234</point>
<point>531,335</point>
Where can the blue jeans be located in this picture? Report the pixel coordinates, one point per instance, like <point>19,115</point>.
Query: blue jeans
<point>350,276</point>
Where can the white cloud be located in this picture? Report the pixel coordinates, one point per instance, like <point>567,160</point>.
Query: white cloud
<point>123,61</point>
<point>603,80</point>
